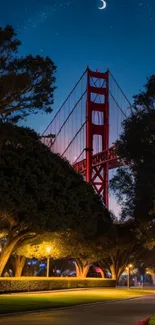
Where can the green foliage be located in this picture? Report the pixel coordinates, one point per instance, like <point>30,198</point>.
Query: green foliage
<point>119,247</point>
<point>123,187</point>
<point>145,260</point>
<point>26,83</point>
<point>60,245</point>
<point>45,284</point>
<point>52,244</point>
<point>135,186</point>
<point>41,189</point>
<point>41,192</point>
<point>152,320</point>
<point>113,250</point>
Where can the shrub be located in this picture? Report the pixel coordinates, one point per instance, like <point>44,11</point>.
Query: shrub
<point>40,284</point>
<point>152,320</point>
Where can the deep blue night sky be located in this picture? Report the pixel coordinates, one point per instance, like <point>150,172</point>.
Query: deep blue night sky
<point>75,33</point>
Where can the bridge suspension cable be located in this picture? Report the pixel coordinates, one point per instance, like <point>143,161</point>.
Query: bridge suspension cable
<point>69,127</point>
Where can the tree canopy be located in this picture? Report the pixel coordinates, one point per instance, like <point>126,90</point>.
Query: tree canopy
<point>134,185</point>
<point>26,83</point>
<point>119,247</point>
<point>41,192</point>
<point>58,245</point>
<point>39,187</point>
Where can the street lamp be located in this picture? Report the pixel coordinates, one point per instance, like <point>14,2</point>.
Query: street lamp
<point>128,278</point>
<point>48,249</point>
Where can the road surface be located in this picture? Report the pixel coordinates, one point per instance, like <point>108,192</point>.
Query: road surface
<point>117,313</point>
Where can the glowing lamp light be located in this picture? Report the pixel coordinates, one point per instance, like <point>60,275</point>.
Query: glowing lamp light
<point>48,249</point>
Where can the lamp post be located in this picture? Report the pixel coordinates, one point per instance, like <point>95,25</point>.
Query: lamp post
<point>48,249</point>
<point>128,278</point>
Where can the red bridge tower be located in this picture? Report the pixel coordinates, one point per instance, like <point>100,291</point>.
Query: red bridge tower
<point>81,128</point>
<point>97,175</point>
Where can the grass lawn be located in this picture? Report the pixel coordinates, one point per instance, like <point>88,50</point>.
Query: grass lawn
<point>29,302</point>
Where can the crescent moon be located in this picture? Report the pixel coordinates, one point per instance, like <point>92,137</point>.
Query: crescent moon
<point>104,5</point>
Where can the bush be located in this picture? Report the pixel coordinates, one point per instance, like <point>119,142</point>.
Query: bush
<point>40,284</point>
<point>152,320</point>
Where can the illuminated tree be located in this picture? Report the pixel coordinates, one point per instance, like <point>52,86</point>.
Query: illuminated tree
<point>85,256</point>
<point>39,249</point>
<point>40,191</point>
<point>62,245</point>
<point>26,83</point>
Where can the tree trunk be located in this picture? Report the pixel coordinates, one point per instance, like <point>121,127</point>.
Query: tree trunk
<point>7,250</point>
<point>102,273</point>
<point>81,270</point>
<point>116,273</point>
<point>20,263</point>
<point>6,255</point>
<point>121,271</point>
<point>113,273</point>
<point>78,269</point>
<point>85,270</point>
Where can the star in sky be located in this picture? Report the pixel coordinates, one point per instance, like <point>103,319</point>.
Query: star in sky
<point>40,17</point>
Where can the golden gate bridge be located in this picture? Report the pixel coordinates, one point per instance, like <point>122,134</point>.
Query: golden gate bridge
<point>86,126</point>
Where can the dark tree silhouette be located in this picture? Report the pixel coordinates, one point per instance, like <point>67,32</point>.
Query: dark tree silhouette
<point>40,191</point>
<point>119,247</point>
<point>26,83</point>
<point>135,186</point>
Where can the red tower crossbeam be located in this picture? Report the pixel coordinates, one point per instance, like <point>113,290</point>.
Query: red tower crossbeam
<point>108,156</point>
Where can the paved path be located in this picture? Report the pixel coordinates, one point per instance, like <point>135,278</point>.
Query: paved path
<point>117,313</point>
